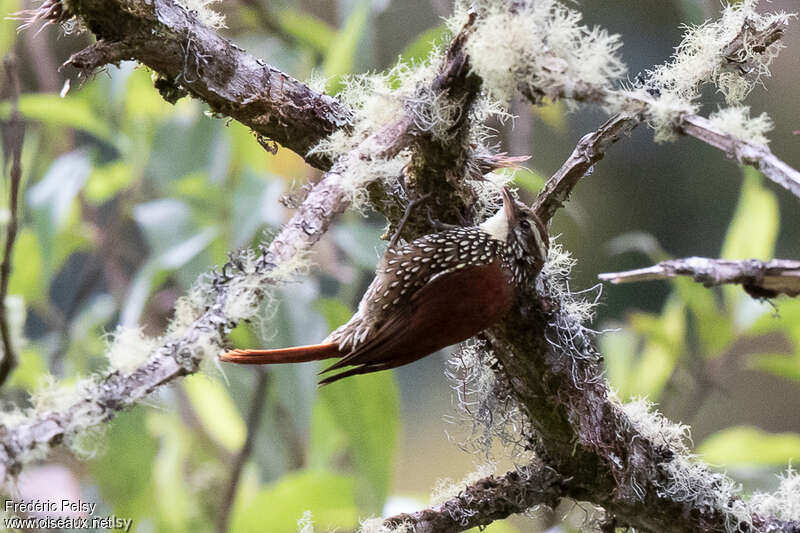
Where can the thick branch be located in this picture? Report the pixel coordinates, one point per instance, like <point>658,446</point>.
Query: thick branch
<point>189,56</point>
<point>761,279</point>
<point>487,500</point>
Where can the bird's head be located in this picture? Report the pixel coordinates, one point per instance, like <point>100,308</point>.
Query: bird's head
<point>526,234</point>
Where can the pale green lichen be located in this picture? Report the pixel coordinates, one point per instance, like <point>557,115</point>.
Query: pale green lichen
<point>129,348</point>
<point>727,53</point>
<point>702,56</point>
<point>305,524</point>
<point>687,480</point>
<point>541,45</point>
<point>653,425</point>
<point>737,121</point>
<point>202,10</point>
<point>783,504</point>
<point>447,489</point>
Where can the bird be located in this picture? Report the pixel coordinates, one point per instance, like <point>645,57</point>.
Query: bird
<point>430,293</point>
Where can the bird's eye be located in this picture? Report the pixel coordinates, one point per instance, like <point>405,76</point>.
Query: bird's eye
<point>525,224</point>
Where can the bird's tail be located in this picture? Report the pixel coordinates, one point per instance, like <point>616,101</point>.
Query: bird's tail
<point>297,354</point>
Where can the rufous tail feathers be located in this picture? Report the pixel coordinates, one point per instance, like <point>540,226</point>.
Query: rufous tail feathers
<point>297,354</point>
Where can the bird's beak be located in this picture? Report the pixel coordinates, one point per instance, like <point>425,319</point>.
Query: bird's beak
<point>509,207</point>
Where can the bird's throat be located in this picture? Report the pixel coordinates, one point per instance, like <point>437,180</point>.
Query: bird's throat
<point>496,226</point>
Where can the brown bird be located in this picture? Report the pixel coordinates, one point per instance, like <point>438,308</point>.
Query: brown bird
<point>435,291</point>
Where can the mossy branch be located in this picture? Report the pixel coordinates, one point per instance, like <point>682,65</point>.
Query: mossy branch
<point>762,279</point>
<point>190,57</point>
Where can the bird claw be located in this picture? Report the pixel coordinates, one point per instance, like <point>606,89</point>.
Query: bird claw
<point>406,214</point>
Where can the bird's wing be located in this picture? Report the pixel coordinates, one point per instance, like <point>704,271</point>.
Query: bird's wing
<point>447,310</point>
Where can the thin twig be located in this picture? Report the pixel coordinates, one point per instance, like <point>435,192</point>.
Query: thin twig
<point>253,421</point>
<point>13,134</point>
<point>748,153</point>
<point>762,279</point>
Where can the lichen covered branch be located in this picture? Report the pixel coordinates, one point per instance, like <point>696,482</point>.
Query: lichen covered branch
<point>733,53</point>
<point>489,499</point>
<point>761,279</point>
<point>746,152</point>
<point>191,57</point>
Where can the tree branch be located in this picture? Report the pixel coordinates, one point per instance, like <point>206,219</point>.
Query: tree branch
<point>191,57</point>
<point>13,133</point>
<point>748,153</point>
<point>745,152</point>
<point>487,500</point>
<point>761,279</point>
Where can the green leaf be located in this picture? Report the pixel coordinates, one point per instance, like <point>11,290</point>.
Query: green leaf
<point>277,507</point>
<point>174,500</point>
<point>107,180</point>
<point>361,415</point>
<point>529,180</point>
<point>142,101</point>
<point>181,147</point>
<point>334,312</point>
<point>71,111</point>
<point>553,114</point>
<point>8,27</point>
<point>123,472</point>
<point>26,274</point>
<point>342,52</point>
<point>419,49</point>
<point>754,227</point>
<point>308,29</point>
<point>663,348</point>
<point>171,259</point>
<point>54,193</point>
<point>750,446</point>
<point>752,231</point>
<point>366,409</point>
<point>714,329</point>
<point>28,375</point>
<point>786,320</point>
<point>216,411</point>
<point>52,202</point>
<point>619,348</point>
